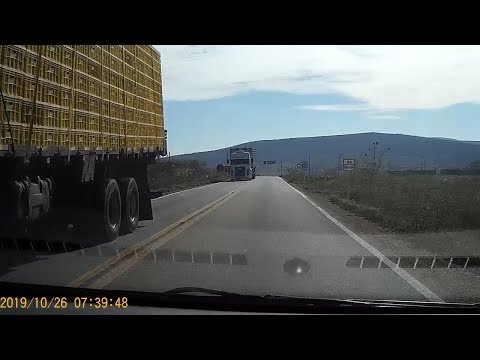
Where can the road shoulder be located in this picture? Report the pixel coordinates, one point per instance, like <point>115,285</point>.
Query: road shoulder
<point>444,243</point>
<point>453,283</point>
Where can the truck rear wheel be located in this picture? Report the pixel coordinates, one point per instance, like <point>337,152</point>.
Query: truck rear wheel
<point>112,210</point>
<point>130,205</point>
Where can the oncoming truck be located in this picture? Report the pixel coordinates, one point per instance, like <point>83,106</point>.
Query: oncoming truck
<point>241,164</point>
<point>78,126</point>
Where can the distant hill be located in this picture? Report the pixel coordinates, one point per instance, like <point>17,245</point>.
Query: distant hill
<point>406,151</point>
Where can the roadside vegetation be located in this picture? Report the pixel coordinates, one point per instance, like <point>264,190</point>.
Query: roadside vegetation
<point>165,177</point>
<point>403,203</point>
<point>411,203</point>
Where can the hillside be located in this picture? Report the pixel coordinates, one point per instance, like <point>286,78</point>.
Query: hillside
<point>406,151</point>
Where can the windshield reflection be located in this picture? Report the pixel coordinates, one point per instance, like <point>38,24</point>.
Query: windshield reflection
<point>296,267</point>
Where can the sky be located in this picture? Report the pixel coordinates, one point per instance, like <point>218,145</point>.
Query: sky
<point>217,96</point>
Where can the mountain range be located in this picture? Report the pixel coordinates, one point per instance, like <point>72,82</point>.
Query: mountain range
<point>325,152</point>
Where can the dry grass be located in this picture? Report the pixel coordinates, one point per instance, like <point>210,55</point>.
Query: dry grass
<point>178,175</point>
<point>404,203</point>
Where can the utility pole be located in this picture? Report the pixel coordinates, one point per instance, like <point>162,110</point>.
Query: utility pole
<point>339,164</point>
<point>422,163</point>
<point>308,165</point>
<point>375,144</point>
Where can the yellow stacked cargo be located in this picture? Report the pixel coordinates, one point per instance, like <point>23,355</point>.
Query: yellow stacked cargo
<point>88,98</point>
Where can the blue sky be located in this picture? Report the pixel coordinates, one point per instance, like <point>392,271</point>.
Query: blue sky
<point>217,96</point>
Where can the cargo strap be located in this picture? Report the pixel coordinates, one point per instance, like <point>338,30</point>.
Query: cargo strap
<point>8,122</point>
<point>4,105</point>
<point>34,104</point>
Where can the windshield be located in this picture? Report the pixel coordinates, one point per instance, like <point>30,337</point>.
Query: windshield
<point>240,161</point>
<point>364,184</point>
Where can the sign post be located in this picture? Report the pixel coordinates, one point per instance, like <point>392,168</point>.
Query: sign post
<point>348,164</point>
<point>304,169</point>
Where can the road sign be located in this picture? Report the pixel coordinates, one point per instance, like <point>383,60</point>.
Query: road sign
<point>304,165</point>
<point>298,167</point>
<point>348,164</point>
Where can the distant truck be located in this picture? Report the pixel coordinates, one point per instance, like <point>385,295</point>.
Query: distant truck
<point>241,164</point>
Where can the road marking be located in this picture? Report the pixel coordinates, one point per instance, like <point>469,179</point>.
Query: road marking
<point>112,267</point>
<point>417,285</point>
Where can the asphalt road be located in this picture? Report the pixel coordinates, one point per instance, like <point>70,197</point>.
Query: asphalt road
<point>269,224</point>
<point>263,237</point>
<point>60,269</point>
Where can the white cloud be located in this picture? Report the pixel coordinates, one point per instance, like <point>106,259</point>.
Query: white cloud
<point>385,117</point>
<point>350,107</point>
<point>335,107</point>
<point>383,77</point>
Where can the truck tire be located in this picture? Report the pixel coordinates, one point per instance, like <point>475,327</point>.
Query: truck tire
<point>130,205</point>
<point>112,210</point>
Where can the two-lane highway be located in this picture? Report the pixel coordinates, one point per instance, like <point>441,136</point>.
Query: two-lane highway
<point>266,224</point>
<point>254,237</point>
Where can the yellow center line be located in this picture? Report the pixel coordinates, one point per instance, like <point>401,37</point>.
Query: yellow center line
<point>110,269</point>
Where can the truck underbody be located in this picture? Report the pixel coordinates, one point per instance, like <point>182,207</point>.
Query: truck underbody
<point>108,194</point>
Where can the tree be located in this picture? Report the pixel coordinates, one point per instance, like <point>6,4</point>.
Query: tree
<point>374,162</point>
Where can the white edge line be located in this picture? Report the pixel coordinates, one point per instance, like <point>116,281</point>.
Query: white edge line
<point>417,285</point>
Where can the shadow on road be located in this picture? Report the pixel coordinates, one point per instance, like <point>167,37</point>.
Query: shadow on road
<point>33,247</point>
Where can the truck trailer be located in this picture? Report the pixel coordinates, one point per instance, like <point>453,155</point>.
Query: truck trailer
<point>78,126</point>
